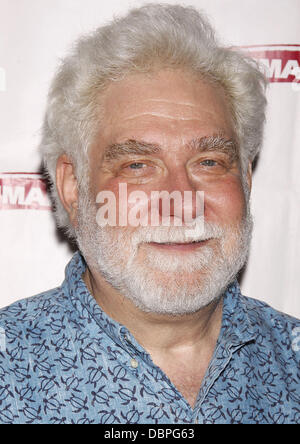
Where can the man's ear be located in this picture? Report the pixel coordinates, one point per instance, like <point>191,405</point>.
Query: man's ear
<point>66,184</point>
<point>249,176</point>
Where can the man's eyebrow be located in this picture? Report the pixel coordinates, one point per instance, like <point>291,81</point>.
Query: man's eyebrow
<point>215,143</point>
<point>116,151</point>
<point>128,147</point>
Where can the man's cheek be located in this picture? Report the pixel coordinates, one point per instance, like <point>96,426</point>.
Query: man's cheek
<point>226,203</point>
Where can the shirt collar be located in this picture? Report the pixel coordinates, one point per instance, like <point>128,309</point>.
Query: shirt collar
<point>236,328</point>
<point>89,312</point>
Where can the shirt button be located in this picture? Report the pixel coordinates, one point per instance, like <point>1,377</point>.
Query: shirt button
<point>134,363</point>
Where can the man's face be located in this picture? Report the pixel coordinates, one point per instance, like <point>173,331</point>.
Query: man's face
<point>170,131</point>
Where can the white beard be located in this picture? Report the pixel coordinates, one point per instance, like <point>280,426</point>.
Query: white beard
<point>157,281</point>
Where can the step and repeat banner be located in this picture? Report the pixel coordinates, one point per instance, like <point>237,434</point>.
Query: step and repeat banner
<point>35,34</point>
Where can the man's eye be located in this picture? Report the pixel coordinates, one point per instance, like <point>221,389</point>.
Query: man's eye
<point>137,165</point>
<point>211,166</point>
<point>209,162</point>
<point>137,169</point>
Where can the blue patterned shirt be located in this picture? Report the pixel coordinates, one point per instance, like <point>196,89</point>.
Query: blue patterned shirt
<point>64,361</point>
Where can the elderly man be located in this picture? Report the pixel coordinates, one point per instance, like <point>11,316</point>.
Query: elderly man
<point>149,325</point>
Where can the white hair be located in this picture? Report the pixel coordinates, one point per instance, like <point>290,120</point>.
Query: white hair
<point>150,37</point>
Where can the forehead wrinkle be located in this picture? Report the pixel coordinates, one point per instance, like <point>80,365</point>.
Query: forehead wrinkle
<point>128,147</point>
<point>174,102</point>
<point>160,115</point>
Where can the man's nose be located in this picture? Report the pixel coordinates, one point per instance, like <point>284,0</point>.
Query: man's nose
<point>186,202</point>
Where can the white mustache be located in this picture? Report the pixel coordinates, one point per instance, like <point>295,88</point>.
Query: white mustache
<point>186,234</point>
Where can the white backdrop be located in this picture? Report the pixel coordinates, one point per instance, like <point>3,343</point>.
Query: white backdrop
<point>36,33</point>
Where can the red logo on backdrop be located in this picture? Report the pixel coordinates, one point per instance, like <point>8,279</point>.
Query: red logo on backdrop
<point>280,62</point>
<point>23,191</point>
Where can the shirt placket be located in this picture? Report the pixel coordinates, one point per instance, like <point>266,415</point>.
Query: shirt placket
<point>153,379</point>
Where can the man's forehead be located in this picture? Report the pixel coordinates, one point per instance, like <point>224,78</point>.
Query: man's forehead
<point>172,111</point>
<point>166,95</point>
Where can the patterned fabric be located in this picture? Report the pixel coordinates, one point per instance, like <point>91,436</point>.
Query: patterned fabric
<point>63,360</point>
